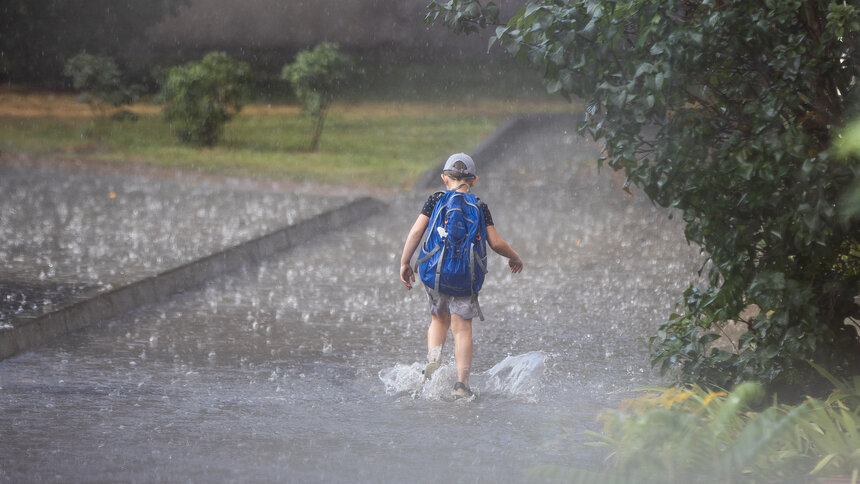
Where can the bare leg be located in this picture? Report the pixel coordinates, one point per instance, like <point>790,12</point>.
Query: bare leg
<point>462,329</point>
<point>436,335</point>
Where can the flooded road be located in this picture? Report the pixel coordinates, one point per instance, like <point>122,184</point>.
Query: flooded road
<point>305,369</point>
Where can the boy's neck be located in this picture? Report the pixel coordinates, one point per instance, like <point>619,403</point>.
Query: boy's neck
<point>458,185</point>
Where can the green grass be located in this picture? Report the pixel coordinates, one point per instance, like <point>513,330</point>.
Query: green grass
<point>377,148</point>
<point>377,144</point>
<point>398,121</point>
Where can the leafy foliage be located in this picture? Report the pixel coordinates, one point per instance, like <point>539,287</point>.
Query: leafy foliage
<point>202,96</point>
<point>318,76</point>
<point>725,112</point>
<point>463,16</point>
<point>100,81</point>
<point>832,428</point>
<point>848,146</point>
<point>694,435</point>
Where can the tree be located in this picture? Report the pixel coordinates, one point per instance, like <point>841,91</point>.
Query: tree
<point>100,82</point>
<point>725,112</point>
<point>200,97</point>
<point>39,36</point>
<point>317,76</point>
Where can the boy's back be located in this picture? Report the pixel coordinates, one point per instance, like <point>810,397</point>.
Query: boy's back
<point>446,310</point>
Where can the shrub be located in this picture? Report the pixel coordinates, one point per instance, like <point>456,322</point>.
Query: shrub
<point>318,76</point>
<point>200,97</point>
<point>692,435</point>
<point>100,82</point>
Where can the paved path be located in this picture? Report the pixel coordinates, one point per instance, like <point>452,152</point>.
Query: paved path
<point>303,369</point>
<point>66,225</point>
<point>86,243</point>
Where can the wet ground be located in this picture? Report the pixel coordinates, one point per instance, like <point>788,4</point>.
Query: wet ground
<point>305,369</point>
<point>65,229</point>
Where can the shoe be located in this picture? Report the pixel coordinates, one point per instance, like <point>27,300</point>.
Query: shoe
<point>428,370</point>
<point>461,391</point>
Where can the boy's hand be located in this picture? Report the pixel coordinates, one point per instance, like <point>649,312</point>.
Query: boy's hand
<point>516,265</point>
<point>407,277</point>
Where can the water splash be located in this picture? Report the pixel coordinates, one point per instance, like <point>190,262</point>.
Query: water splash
<point>405,380</point>
<point>517,376</point>
<point>401,379</point>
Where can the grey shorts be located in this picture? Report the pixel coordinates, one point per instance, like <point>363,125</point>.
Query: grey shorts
<point>441,304</point>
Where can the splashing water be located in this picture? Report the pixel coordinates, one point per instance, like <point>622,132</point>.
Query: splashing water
<point>401,379</point>
<point>517,376</point>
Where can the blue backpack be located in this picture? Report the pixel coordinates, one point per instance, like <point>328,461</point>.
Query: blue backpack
<point>452,259</point>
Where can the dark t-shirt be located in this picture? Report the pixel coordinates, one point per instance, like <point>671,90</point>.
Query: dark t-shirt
<point>431,202</point>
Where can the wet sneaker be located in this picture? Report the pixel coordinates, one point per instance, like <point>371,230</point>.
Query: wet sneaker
<point>428,370</point>
<point>461,391</point>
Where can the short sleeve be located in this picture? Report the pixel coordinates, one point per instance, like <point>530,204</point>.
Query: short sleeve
<point>488,218</point>
<point>431,202</point>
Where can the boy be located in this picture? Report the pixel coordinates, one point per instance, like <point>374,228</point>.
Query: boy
<point>446,311</point>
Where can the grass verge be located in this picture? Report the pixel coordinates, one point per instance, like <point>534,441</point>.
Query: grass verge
<point>374,143</point>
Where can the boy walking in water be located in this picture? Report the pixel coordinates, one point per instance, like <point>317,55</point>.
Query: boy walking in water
<point>453,312</point>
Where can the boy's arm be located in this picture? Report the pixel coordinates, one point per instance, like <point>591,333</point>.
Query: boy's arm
<point>502,248</point>
<point>407,277</point>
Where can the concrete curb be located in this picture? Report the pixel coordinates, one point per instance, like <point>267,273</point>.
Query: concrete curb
<point>32,330</point>
<point>485,153</point>
<point>498,142</point>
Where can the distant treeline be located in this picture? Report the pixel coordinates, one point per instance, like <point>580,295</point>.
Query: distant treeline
<point>144,37</point>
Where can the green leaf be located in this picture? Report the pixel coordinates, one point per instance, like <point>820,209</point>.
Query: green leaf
<point>822,463</point>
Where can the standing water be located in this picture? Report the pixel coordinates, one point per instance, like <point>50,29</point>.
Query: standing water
<point>64,232</point>
<point>306,368</point>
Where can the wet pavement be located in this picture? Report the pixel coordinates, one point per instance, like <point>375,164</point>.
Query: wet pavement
<point>305,369</point>
<point>66,230</point>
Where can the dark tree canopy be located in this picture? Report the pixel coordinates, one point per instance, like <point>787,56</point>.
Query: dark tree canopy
<point>39,36</point>
<point>726,112</point>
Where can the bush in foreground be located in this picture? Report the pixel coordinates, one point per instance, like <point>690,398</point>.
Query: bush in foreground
<point>692,435</point>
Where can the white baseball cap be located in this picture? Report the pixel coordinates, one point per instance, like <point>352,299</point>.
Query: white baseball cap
<point>461,165</point>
